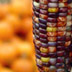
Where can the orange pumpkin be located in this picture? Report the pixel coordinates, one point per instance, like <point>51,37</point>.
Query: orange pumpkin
<point>16,40</point>
<point>21,7</point>
<point>1,66</point>
<point>6,70</point>
<point>8,53</point>
<point>24,49</point>
<point>29,37</point>
<point>6,31</point>
<point>22,65</point>
<point>0,41</point>
<point>26,25</point>
<point>14,21</point>
<point>3,10</point>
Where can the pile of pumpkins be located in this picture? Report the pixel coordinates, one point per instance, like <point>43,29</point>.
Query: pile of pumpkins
<point>16,43</point>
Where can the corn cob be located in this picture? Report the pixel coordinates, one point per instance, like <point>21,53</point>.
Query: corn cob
<point>51,35</point>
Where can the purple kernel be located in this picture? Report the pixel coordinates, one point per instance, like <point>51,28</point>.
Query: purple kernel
<point>60,48</point>
<point>52,43</point>
<point>42,20</point>
<point>42,30</point>
<point>43,35</point>
<point>43,40</point>
<point>52,55</point>
<point>44,55</point>
<point>42,25</point>
<point>44,45</point>
<point>60,59</point>
<point>52,20</point>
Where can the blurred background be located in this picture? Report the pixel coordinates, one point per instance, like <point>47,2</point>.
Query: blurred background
<point>16,42</point>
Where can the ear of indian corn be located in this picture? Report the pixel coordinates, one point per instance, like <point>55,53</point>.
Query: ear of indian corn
<point>52,35</point>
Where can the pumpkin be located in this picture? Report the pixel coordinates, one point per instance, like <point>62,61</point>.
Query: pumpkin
<point>6,70</point>
<point>26,25</point>
<point>24,49</point>
<point>16,40</point>
<point>14,21</point>
<point>21,7</point>
<point>1,66</point>
<point>22,65</point>
<point>29,37</point>
<point>3,10</point>
<point>6,31</point>
<point>8,53</point>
